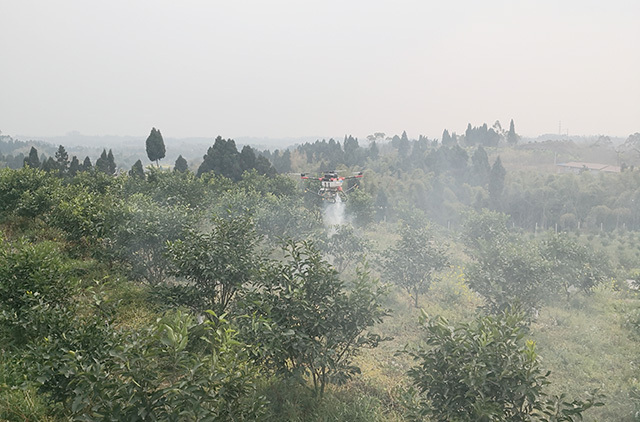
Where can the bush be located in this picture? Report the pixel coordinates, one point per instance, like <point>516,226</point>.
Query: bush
<point>482,371</point>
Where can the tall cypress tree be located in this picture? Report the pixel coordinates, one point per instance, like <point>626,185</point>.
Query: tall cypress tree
<point>155,146</point>
<point>512,136</point>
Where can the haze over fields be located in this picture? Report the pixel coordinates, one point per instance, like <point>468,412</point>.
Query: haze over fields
<point>287,69</point>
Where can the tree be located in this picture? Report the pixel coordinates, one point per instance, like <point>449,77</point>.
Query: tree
<point>181,165</point>
<point>217,264</point>
<point>142,235</point>
<point>447,140</point>
<point>496,183</point>
<point>505,271</point>
<point>155,146</point>
<point>512,136</point>
<point>413,261</point>
<point>137,170</point>
<point>62,159</point>
<point>32,160</point>
<point>345,247</point>
<point>102,163</point>
<point>111,163</point>
<point>222,158</point>
<point>480,167</point>
<point>316,325</point>
<point>86,164</point>
<point>573,264</point>
<point>49,165</point>
<point>482,371</point>
<point>74,166</point>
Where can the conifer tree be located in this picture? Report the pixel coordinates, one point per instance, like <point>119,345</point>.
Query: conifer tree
<point>111,163</point>
<point>102,163</point>
<point>62,159</point>
<point>86,164</point>
<point>181,165</point>
<point>155,146</point>
<point>512,136</point>
<point>74,166</point>
<point>446,138</point>
<point>32,160</point>
<point>49,165</point>
<point>136,170</point>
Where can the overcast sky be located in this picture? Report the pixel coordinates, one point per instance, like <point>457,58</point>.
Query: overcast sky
<point>318,68</point>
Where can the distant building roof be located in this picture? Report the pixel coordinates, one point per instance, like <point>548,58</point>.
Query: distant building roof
<point>577,166</point>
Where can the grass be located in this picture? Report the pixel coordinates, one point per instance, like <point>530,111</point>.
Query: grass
<point>586,345</point>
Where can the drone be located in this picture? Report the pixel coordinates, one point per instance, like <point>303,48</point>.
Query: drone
<point>331,185</point>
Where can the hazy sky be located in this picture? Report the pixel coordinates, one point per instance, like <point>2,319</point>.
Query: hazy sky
<point>318,68</point>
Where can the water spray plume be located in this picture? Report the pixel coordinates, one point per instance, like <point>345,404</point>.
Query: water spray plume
<point>334,213</point>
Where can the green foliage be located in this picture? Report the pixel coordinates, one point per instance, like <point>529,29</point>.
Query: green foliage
<point>218,264</point>
<point>25,192</point>
<point>224,159</point>
<point>98,373</point>
<point>482,371</point>
<point>507,273</point>
<point>35,287</point>
<point>316,326</point>
<point>155,146</point>
<point>344,246</point>
<point>573,264</point>
<point>360,205</point>
<point>414,261</point>
<point>141,236</point>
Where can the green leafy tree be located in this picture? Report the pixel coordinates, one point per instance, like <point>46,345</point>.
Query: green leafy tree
<point>414,261</point>
<point>483,371</point>
<point>181,165</point>
<point>143,232</point>
<point>155,146</point>
<point>151,374</point>
<point>217,264</point>
<point>504,271</point>
<point>35,282</point>
<point>574,265</point>
<point>317,325</point>
<point>344,247</point>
